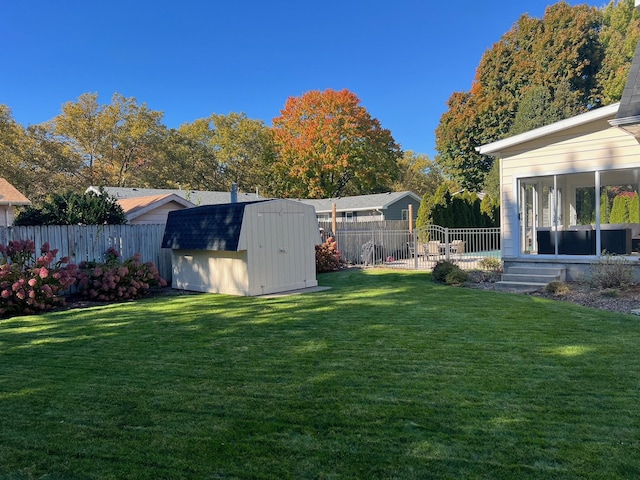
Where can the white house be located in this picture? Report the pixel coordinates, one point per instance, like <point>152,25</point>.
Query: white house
<point>558,185</point>
<point>152,208</point>
<point>10,198</point>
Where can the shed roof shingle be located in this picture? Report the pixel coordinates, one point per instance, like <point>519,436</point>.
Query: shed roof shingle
<point>210,227</point>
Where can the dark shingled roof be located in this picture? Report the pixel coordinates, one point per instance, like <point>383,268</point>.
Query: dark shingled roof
<point>210,227</point>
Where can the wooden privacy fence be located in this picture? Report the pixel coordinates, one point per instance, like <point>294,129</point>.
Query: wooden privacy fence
<point>420,248</point>
<point>90,242</point>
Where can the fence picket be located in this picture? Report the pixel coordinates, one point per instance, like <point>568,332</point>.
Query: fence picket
<point>90,242</point>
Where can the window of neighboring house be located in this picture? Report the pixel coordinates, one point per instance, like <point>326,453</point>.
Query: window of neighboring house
<point>405,214</point>
<point>349,217</point>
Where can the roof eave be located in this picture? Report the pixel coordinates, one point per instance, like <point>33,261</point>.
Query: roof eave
<point>495,148</point>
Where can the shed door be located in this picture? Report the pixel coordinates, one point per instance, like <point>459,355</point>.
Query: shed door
<point>274,239</point>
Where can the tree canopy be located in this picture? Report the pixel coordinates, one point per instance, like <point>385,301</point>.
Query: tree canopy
<point>418,174</point>
<point>540,71</point>
<point>328,145</point>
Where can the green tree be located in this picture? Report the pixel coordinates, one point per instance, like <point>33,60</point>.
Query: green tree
<point>620,211</point>
<point>634,209</point>
<point>112,144</point>
<point>618,36</point>
<point>243,150</point>
<point>560,52</point>
<point>211,153</point>
<point>328,145</point>
<point>417,174</point>
<point>12,145</point>
<point>71,208</point>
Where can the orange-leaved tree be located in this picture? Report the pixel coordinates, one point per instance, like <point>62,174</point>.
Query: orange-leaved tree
<point>328,145</point>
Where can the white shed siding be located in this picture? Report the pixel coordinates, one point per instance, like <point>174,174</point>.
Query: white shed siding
<point>586,148</point>
<point>280,237</point>
<point>211,271</point>
<point>273,252</point>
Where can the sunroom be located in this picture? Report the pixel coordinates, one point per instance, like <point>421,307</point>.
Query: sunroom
<point>569,190</point>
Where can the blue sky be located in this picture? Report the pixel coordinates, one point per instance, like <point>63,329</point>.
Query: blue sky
<point>192,58</point>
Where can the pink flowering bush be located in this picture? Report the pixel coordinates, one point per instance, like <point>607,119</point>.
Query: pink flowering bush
<point>328,257</point>
<point>118,280</point>
<point>29,284</point>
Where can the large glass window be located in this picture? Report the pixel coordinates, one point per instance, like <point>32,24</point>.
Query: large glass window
<point>584,220</point>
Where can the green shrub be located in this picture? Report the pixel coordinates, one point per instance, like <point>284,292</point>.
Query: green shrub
<point>482,276</point>
<point>491,264</point>
<point>448,272</point>
<point>71,208</point>
<point>116,280</point>
<point>477,276</point>
<point>457,276</point>
<point>441,269</point>
<point>328,257</point>
<point>611,271</point>
<point>557,288</point>
<point>610,292</point>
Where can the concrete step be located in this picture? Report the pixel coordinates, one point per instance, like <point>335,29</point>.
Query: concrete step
<point>517,277</point>
<point>555,271</point>
<point>520,286</point>
<point>529,278</point>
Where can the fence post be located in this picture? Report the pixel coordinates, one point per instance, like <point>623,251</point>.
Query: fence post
<point>415,249</point>
<point>373,250</point>
<point>334,220</point>
<point>446,244</point>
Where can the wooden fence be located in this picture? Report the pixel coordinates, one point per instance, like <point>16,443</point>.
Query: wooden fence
<point>90,242</point>
<point>364,226</point>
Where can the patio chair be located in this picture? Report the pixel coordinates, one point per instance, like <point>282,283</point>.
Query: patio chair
<point>457,247</point>
<point>412,249</point>
<point>432,249</point>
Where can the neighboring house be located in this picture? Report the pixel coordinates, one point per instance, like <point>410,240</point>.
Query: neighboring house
<point>10,198</point>
<point>152,205</point>
<point>379,206</point>
<point>196,197</point>
<point>559,183</point>
<point>152,208</point>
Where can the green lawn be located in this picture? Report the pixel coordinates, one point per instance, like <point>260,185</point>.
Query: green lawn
<point>386,375</point>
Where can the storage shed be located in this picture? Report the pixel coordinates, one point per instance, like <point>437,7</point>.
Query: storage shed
<point>250,248</point>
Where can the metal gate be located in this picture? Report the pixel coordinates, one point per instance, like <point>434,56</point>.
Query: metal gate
<point>420,248</point>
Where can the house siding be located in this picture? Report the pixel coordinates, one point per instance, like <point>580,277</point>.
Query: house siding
<point>157,215</point>
<point>586,148</point>
<point>394,211</point>
<point>6,216</point>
